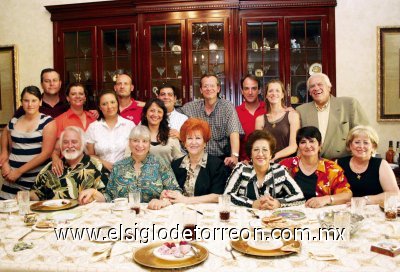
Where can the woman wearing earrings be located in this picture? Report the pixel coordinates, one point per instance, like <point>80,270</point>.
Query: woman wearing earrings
<point>322,181</point>
<point>262,185</point>
<point>280,122</point>
<point>202,177</point>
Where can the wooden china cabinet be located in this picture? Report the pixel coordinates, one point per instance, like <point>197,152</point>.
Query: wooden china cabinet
<point>174,42</point>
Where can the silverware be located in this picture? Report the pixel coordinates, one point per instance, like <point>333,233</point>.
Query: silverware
<point>199,212</point>
<point>196,254</point>
<point>23,236</point>
<point>253,214</point>
<point>111,248</point>
<point>229,249</point>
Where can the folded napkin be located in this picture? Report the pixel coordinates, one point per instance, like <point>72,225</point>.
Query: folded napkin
<point>295,246</point>
<point>322,255</point>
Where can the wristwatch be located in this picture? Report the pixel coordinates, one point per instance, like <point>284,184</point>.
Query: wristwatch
<point>235,154</point>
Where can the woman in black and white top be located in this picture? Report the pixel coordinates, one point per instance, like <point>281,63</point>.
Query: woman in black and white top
<point>262,185</point>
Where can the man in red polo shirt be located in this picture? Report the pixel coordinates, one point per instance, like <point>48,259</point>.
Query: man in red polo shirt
<point>249,109</point>
<point>128,107</point>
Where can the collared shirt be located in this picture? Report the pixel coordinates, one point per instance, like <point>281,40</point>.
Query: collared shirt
<point>58,109</point>
<point>323,118</point>
<point>242,186</point>
<point>176,120</point>
<point>88,173</point>
<point>155,176</point>
<point>223,121</point>
<point>192,174</point>
<point>110,144</point>
<point>331,178</point>
<point>248,122</point>
<point>69,118</point>
<point>133,112</point>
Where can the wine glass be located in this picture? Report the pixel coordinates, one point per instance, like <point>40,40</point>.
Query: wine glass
<point>161,45</point>
<point>128,47</point>
<point>266,68</point>
<point>111,75</point>
<point>87,75</point>
<point>170,44</point>
<point>317,40</point>
<point>112,50</point>
<point>77,76</point>
<point>196,43</point>
<point>177,69</point>
<point>160,70</point>
<point>294,67</point>
<point>250,68</point>
<point>203,68</point>
<point>85,51</point>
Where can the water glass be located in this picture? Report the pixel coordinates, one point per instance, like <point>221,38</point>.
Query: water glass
<point>342,220</point>
<point>391,206</point>
<point>358,205</point>
<point>189,224</point>
<point>224,202</point>
<point>128,223</point>
<point>134,200</point>
<point>23,202</point>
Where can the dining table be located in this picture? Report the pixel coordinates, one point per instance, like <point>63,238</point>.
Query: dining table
<point>47,252</point>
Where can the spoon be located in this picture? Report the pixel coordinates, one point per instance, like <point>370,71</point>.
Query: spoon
<point>229,249</point>
<point>253,214</point>
<point>23,236</point>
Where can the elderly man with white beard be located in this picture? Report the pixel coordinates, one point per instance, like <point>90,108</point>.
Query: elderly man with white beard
<point>81,172</point>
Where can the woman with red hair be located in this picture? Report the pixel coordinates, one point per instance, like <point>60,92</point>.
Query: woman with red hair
<point>202,177</point>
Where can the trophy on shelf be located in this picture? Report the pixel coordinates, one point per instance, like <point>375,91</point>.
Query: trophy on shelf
<point>160,70</point>
<point>161,45</point>
<point>85,51</point>
<point>77,76</point>
<point>87,75</point>
<point>177,70</point>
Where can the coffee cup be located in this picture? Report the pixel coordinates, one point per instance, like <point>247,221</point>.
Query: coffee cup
<point>10,204</point>
<point>120,203</point>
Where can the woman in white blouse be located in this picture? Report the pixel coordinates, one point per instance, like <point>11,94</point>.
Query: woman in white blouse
<point>108,137</point>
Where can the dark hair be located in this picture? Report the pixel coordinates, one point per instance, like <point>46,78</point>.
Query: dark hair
<point>163,130</point>
<point>260,135</point>
<point>193,124</point>
<point>102,93</point>
<point>48,70</point>
<point>252,77</point>
<point>283,101</point>
<point>165,86</point>
<point>308,133</point>
<point>210,75</point>
<point>33,90</point>
<point>76,84</point>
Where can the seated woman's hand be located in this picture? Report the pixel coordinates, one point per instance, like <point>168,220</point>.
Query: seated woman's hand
<point>269,203</point>
<point>176,197</point>
<point>318,202</point>
<point>86,196</point>
<point>3,158</point>
<point>157,204</point>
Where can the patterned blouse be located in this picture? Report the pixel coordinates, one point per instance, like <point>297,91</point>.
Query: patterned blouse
<point>155,176</point>
<point>89,173</point>
<point>331,178</point>
<point>242,186</point>
<point>188,188</point>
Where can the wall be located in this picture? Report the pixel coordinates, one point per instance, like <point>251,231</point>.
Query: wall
<point>27,24</point>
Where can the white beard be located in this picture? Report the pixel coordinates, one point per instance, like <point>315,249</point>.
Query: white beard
<point>71,155</point>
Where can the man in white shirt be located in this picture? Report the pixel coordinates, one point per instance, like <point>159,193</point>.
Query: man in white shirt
<point>167,94</point>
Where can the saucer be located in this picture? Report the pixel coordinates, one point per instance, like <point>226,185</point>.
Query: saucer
<point>12,209</point>
<point>116,208</point>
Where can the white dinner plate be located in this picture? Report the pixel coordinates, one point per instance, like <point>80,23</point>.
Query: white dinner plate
<point>4,210</point>
<point>171,257</point>
<point>265,245</point>
<point>64,216</point>
<point>56,202</point>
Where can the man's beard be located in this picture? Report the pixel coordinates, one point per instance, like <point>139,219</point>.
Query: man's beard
<point>71,154</point>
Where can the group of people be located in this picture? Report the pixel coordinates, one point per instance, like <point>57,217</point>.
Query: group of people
<point>263,154</point>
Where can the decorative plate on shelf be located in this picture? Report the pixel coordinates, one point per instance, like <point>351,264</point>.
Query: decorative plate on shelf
<point>315,68</point>
<point>259,73</point>
<point>176,49</point>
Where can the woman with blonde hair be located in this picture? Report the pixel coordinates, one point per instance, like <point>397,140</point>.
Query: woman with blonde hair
<point>369,177</point>
<point>280,122</point>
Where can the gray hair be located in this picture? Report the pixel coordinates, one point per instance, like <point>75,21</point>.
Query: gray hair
<point>324,77</point>
<point>76,129</point>
<point>140,132</point>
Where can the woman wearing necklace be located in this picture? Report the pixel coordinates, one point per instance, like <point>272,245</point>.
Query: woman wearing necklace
<point>32,139</point>
<point>141,171</point>
<point>154,116</point>
<point>107,138</point>
<point>202,177</point>
<point>280,122</point>
<point>322,181</point>
<point>368,176</point>
<point>262,185</point>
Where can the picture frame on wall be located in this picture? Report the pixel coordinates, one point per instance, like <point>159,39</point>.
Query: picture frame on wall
<point>388,73</point>
<point>8,83</point>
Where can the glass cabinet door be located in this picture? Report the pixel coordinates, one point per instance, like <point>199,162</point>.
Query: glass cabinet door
<point>116,55</point>
<point>78,60</point>
<point>305,57</point>
<point>208,49</point>
<point>166,53</point>
<point>262,52</point>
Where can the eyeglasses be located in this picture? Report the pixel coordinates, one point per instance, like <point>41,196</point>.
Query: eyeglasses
<point>209,86</point>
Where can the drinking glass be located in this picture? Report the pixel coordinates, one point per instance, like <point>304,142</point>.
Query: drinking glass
<point>189,224</point>
<point>342,220</point>
<point>224,202</point>
<point>391,206</point>
<point>134,200</point>
<point>23,202</point>
<point>358,205</point>
<point>160,70</point>
<point>128,223</point>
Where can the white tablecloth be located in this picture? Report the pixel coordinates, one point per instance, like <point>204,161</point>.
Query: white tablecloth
<point>49,254</point>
